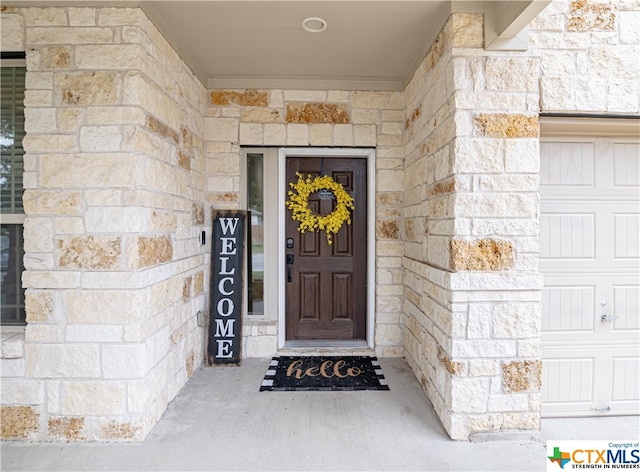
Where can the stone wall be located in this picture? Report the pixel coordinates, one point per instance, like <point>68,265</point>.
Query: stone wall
<point>317,118</point>
<point>114,179</point>
<point>590,56</point>
<point>471,282</point>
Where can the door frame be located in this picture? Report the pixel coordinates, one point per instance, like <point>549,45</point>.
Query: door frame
<point>356,153</point>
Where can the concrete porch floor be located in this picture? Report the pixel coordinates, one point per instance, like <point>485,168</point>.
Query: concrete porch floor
<point>220,421</point>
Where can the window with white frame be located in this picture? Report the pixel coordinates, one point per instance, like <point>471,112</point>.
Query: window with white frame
<point>12,84</point>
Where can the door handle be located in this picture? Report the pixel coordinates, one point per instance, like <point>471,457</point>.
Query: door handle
<point>601,410</point>
<point>605,318</point>
<point>289,265</point>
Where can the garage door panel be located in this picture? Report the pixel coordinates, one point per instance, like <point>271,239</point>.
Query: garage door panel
<point>626,307</point>
<point>567,163</point>
<point>626,165</point>
<point>626,235</point>
<point>568,308</point>
<point>567,384</point>
<point>590,259</point>
<point>567,235</point>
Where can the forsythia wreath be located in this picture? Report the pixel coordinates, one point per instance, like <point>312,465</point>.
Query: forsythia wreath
<point>298,203</point>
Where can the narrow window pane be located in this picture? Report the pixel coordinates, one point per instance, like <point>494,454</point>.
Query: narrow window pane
<point>11,267</point>
<point>11,134</point>
<point>255,199</point>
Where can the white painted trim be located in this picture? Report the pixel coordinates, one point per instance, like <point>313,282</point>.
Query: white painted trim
<point>584,126</point>
<point>365,153</point>
<point>506,23</point>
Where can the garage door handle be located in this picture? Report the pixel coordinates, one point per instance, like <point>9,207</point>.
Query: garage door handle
<point>605,318</point>
<point>601,410</point>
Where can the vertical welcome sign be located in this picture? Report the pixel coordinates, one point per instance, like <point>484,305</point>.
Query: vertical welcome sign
<point>225,310</point>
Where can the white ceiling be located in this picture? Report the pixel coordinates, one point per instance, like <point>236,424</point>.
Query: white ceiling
<point>368,44</point>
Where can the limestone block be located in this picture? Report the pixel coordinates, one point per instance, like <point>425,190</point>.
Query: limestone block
<point>100,138</point>
<point>254,98</point>
<point>45,16</point>
<point>124,361</point>
<point>481,255</point>
<point>57,58</point>
<point>483,349</point>
<point>260,115</point>
<point>18,422</point>
<point>22,392</point>
<point>510,74</point>
<point>467,30</point>
<point>306,113</point>
<point>66,428</point>
<point>522,376</point>
<point>70,119</point>
<point>69,225</point>
<point>87,88</point>
<point>62,360</point>
<point>622,96</point>
<point>557,93</point>
<point>146,251</point>
<point>521,421</point>
<point>50,280</point>
<point>81,16</point>
<point>117,307</point>
<point>97,115</point>
<point>116,220</point>
<point>90,170</point>
<point>38,235</point>
<point>628,27</point>
<point>377,100</point>
<point>297,135</point>
<point>388,335</point>
<point>343,135</point>
<point>120,16</point>
<point>469,395</point>
<point>12,367</point>
<point>36,261</point>
<point>501,125</point>
<point>75,35</point>
<point>275,134</point>
<point>38,98</point>
<point>93,398</point>
<point>221,129</point>
<point>12,32</point>
<point>40,120</point>
<point>591,16</point>
<point>261,346</point>
<point>44,333</point>
<point>13,346</point>
<point>479,321</point>
<point>484,368</point>
<point>473,155</point>
<point>365,135</point>
<point>89,333</point>
<point>49,143</point>
<point>89,252</point>
<point>517,320</point>
<point>508,402</point>
<point>251,134</point>
<point>492,205</point>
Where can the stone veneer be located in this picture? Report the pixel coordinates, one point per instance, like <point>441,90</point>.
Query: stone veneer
<point>471,281</point>
<point>114,203</point>
<point>316,118</point>
<point>127,152</point>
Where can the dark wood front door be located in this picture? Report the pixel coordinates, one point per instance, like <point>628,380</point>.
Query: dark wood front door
<point>326,297</point>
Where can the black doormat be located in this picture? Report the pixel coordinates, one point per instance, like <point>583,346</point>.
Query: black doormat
<point>327,373</point>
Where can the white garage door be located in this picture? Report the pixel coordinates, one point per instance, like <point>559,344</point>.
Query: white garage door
<point>589,249</point>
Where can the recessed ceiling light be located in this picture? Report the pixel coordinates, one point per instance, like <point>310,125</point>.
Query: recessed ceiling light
<point>313,24</point>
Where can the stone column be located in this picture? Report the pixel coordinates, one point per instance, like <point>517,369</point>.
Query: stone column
<point>114,204</point>
<point>472,287</point>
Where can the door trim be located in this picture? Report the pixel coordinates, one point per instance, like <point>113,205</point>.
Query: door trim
<point>363,153</point>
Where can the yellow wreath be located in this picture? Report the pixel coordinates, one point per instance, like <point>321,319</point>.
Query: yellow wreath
<point>298,203</point>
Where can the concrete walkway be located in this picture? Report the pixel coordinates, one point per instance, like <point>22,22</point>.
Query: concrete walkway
<point>220,421</point>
